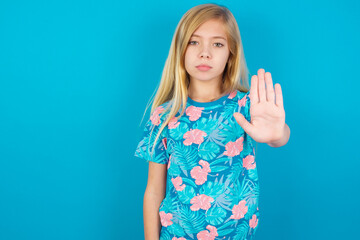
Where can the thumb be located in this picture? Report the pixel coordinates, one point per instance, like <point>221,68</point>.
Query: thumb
<point>241,120</point>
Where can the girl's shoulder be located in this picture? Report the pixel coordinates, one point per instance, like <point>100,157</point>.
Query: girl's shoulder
<point>161,111</point>
<point>238,95</point>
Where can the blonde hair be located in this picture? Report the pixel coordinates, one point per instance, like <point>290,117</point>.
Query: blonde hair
<point>175,80</point>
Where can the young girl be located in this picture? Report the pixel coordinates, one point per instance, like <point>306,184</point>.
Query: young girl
<point>199,140</point>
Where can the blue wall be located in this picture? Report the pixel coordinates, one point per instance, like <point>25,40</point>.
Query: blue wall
<point>75,78</point>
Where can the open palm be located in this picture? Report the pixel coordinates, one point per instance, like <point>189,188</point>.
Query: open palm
<point>267,117</point>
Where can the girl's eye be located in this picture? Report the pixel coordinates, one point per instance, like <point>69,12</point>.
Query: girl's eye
<point>221,45</point>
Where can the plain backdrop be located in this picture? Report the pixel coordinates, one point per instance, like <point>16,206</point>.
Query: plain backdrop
<point>76,76</point>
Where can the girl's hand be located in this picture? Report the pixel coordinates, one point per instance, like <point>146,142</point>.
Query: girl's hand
<point>267,117</point>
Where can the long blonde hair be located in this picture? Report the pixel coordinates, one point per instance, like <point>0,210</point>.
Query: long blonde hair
<point>175,80</point>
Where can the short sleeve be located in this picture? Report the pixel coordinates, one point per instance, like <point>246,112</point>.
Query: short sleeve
<point>144,147</point>
<point>244,108</point>
<point>247,107</point>
<point>247,115</point>
<point>244,105</point>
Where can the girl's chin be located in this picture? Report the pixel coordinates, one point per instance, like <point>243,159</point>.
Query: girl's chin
<point>202,78</point>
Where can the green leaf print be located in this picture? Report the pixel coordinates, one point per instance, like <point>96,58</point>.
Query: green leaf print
<point>206,125</point>
<point>212,189</point>
<point>229,110</point>
<point>216,169</point>
<point>252,208</point>
<point>160,157</point>
<point>192,221</point>
<point>248,147</point>
<point>230,131</point>
<point>245,110</point>
<point>185,119</point>
<point>187,194</point>
<point>215,215</point>
<point>184,156</point>
<point>208,150</point>
<point>165,235</point>
<point>242,231</point>
<point>189,181</point>
<point>178,132</point>
<point>243,190</point>
<point>226,225</point>
<point>252,174</point>
<point>215,137</point>
<point>252,201</point>
<point>173,170</point>
<point>169,205</point>
<point>220,160</point>
<point>239,131</point>
<point>176,229</point>
<point>142,150</point>
<point>225,232</point>
<point>235,171</point>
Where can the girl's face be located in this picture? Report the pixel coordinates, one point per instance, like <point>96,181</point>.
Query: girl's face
<point>208,45</point>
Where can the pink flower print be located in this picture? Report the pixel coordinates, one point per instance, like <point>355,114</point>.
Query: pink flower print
<point>173,123</point>
<point>249,162</point>
<point>232,94</point>
<point>234,148</point>
<point>239,210</point>
<point>164,141</point>
<point>180,238</point>
<point>155,116</point>
<point>213,230</point>
<point>165,219</point>
<point>205,235</point>
<point>177,182</point>
<point>242,102</point>
<point>253,221</point>
<point>169,162</point>
<point>205,165</point>
<point>201,201</point>
<point>194,136</point>
<point>200,174</point>
<point>193,112</point>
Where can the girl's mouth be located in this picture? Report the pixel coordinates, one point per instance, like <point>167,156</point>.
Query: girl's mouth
<point>203,67</point>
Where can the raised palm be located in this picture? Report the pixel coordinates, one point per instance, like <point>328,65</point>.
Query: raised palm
<point>267,116</point>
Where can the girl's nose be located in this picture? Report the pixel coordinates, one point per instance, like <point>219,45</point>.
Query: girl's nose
<point>204,53</point>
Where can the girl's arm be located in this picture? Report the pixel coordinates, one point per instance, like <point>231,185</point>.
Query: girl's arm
<point>154,194</point>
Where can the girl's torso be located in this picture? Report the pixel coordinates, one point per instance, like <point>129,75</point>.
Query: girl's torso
<point>212,187</point>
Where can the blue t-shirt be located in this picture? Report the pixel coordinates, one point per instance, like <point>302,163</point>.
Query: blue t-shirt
<point>212,189</point>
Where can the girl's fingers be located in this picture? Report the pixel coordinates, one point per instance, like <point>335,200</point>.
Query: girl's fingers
<point>254,98</point>
<point>261,85</point>
<point>279,97</point>
<point>241,120</point>
<point>270,95</point>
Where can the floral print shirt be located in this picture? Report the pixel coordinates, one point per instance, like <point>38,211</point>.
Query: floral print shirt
<point>212,189</point>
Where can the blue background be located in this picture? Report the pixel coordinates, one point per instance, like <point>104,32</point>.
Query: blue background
<point>76,76</point>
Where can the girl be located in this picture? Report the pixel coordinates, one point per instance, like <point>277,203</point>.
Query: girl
<point>199,140</point>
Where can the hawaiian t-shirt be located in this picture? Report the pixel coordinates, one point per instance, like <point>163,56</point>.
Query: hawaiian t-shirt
<point>212,189</point>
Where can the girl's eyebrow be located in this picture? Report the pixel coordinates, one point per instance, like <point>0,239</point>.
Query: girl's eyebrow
<point>195,35</point>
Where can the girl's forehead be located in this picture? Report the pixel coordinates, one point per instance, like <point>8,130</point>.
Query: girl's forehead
<point>217,36</point>
<point>210,29</point>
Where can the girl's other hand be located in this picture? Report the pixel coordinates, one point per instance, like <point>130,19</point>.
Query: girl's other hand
<point>267,116</point>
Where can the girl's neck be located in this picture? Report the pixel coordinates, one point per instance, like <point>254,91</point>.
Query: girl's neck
<point>205,94</point>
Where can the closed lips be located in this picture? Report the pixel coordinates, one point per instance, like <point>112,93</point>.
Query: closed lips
<point>203,65</point>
